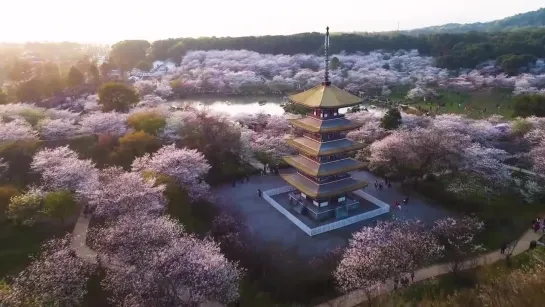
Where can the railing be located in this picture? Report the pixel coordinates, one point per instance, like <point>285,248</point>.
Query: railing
<point>277,206</point>
<point>383,208</point>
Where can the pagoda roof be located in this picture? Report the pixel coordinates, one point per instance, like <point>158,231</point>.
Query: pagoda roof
<point>319,149</point>
<point>316,125</point>
<point>315,169</point>
<point>324,190</point>
<point>325,96</point>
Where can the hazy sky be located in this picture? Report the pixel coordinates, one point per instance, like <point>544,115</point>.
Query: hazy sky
<point>113,20</point>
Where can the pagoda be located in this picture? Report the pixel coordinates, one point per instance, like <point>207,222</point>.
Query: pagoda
<point>322,182</point>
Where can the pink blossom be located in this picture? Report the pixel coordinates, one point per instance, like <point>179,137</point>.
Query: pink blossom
<point>61,169</point>
<point>58,129</point>
<point>119,193</point>
<point>17,129</point>
<point>56,278</point>
<point>104,123</point>
<point>186,166</point>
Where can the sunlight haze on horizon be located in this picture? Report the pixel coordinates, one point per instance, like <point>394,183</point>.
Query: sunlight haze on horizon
<point>102,21</point>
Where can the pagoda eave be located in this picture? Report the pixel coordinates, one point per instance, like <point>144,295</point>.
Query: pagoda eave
<point>316,169</point>
<point>317,149</point>
<point>319,126</point>
<point>325,97</point>
<point>319,191</point>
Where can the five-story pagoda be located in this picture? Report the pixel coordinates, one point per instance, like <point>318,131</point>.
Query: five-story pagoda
<point>322,180</point>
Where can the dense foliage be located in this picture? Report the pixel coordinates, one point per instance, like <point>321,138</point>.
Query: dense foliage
<point>523,20</point>
<point>452,50</point>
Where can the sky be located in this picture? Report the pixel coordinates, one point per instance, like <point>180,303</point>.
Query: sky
<point>108,21</point>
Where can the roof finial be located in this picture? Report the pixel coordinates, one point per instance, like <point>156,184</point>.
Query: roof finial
<point>326,47</point>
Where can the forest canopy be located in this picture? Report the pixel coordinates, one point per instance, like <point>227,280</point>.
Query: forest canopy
<point>452,50</point>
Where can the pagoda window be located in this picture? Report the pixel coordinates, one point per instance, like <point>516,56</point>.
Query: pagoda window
<point>325,115</point>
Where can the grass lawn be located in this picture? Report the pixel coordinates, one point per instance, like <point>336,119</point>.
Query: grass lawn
<point>506,218</point>
<point>446,284</point>
<point>476,104</point>
<point>18,243</point>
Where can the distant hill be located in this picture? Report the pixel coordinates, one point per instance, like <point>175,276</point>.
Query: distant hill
<point>523,20</point>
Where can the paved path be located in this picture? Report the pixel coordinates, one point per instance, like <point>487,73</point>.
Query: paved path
<point>79,238</point>
<point>358,297</point>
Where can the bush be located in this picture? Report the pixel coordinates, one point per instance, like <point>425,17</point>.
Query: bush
<point>134,145</point>
<point>59,205</point>
<point>117,97</point>
<point>6,193</point>
<point>391,120</point>
<point>528,105</point>
<point>149,122</point>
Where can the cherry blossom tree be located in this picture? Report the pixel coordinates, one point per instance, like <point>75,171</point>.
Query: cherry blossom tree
<point>386,250</point>
<point>482,167</point>
<point>61,169</point>
<point>418,152</point>
<point>186,166</point>
<point>537,155</point>
<point>167,267</point>
<point>112,123</point>
<point>4,167</point>
<point>57,277</point>
<point>58,129</point>
<point>118,193</point>
<point>17,129</point>
<point>458,237</point>
<point>145,87</point>
<point>131,237</point>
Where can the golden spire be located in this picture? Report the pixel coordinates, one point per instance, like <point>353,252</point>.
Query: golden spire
<point>326,47</point>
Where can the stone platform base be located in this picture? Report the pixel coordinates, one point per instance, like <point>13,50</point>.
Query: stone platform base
<point>370,207</point>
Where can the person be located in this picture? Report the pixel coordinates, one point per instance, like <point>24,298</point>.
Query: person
<point>536,226</point>
<point>234,183</point>
<point>503,248</point>
<point>259,192</point>
<point>412,276</point>
<point>376,185</point>
<point>406,200</point>
<point>389,184</point>
<point>380,186</point>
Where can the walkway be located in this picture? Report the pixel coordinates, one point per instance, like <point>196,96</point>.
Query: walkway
<point>79,238</point>
<point>358,297</point>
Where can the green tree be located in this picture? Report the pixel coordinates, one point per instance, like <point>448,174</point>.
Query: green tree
<point>53,86</point>
<point>31,90</point>
<point>391,120</point>
<point>134,145</point>
<point>19,70</point>
<point>59,205</point>
<point>106,68</point>
<point>95,75</point>
<point>144,66</point>
<point>511,63</point>
<point>75,77</point>
<point>528,105</point>
<point>117,97</point>
<point>126,54</point>
<point>3,97</point>
<point>23,209</point>
<point>335,63</point>
<point>6,193</point>
<point>176,52</point>
<point>149,122</point>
